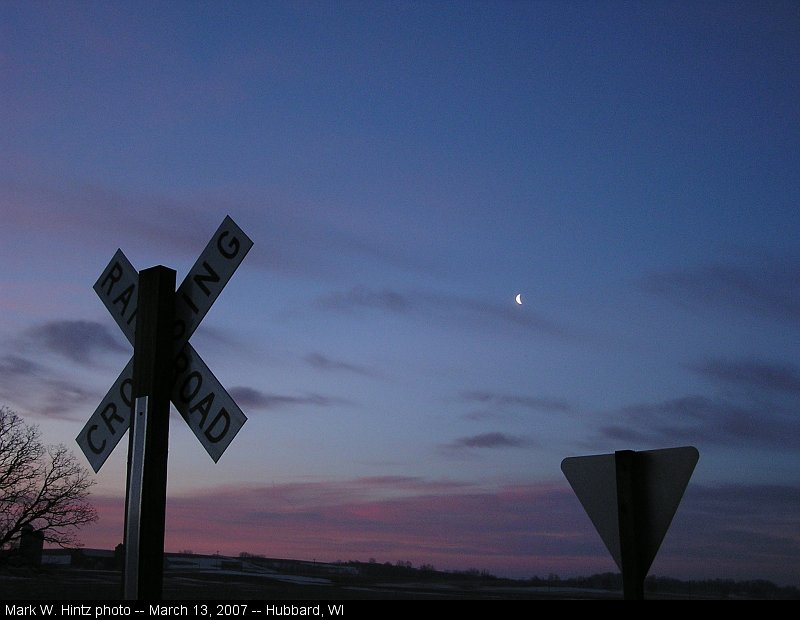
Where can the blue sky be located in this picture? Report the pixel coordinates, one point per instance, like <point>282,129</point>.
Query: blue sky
<point>405,169</point>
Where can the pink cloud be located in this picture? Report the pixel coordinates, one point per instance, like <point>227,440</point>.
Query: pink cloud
<point>513,530</point>
<point>521,531</point>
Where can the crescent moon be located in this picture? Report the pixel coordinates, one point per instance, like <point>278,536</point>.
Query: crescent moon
<point>518,299</point>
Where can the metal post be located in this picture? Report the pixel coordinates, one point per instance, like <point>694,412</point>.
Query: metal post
<point>148,445</point>
<point>630,515</point>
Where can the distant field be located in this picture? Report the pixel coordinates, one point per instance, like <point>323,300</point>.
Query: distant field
<point>75,584</point>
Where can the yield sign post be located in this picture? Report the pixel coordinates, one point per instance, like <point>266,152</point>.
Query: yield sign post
<point>631,498</point>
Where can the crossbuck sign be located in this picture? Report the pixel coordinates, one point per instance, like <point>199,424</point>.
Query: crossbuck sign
<point>196,393</point>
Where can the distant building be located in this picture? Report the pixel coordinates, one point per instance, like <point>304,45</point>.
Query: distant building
<point>31,543</point>
<point>107,559</point>
<point>79,558</point>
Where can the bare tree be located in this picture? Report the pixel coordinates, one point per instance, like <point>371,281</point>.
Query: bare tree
<point>43,487</point>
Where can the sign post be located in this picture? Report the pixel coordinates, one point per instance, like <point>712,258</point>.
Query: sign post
<point>158,321</point>
<point>631,498</point>
<point>630,520</point>
<point>148,447</point>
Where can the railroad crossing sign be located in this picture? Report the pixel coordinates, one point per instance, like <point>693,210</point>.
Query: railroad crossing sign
<point>631,498</point>
<point>198,396</point>
<point>158,321</point>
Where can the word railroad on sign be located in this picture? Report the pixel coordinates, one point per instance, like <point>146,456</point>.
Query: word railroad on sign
<point>198,396</point>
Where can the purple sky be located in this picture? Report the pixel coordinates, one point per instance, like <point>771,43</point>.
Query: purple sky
<point>406,169</point>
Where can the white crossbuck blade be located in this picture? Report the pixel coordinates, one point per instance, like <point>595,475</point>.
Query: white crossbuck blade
<point>198,396</point>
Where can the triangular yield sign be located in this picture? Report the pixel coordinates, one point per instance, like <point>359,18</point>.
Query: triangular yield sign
<point>660,479</point>
<point>594,480</point>
<point>663,478</point>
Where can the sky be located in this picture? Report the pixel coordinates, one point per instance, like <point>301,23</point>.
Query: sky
<point>405,169</point>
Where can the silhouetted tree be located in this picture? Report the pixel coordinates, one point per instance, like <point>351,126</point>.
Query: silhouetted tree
<point>43,487</point>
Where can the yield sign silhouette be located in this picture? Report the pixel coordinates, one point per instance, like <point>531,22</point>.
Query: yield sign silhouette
<point>656,480</point>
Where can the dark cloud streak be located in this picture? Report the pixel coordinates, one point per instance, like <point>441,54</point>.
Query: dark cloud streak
<point>507,400</point>
<point>76,340</point>
<point>766,287</point>
<point>724,529</point>
<point>325,363</point>
<point>451,307</point>
<point>489,440</point>
<point>39,390</point>
<point>60,399</point>
<point>702,419</point>
<point>251,398</point>
<point>14,365</point>
<point>362,297</point>
<point>771,376</point>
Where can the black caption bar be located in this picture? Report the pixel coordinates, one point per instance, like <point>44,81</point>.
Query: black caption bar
<point>352,609</point>
<point>192,609</point>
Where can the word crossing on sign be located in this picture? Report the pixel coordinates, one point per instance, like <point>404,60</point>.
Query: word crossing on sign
<point>198,396</point>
